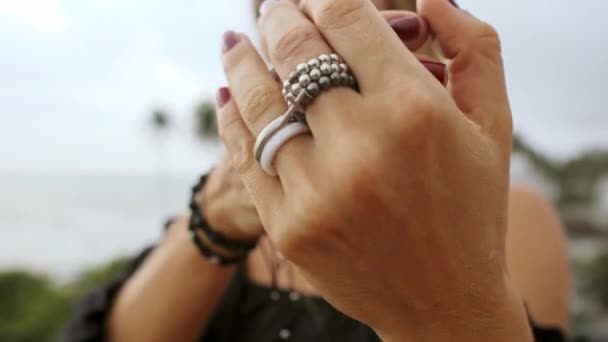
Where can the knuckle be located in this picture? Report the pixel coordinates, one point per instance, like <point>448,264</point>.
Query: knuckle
<point>310,228</point>
<point>296,40</point>
<point>339,13</point>
<point>226,123</point>
<point>488,37</point>
<point>241,158</point>
<point>422,118</point>
<point>257,101</point>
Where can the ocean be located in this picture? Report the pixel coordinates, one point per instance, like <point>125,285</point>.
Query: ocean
<point>61,224</point>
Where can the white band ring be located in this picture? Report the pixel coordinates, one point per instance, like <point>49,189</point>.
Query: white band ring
<point>277,140</point>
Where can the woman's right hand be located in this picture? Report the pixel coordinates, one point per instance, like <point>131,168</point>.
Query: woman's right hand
<point>227,206</point>
<point>225,202</point>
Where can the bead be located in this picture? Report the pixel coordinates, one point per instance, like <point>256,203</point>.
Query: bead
<point>284,334</point>
<point>290,99</point>
<point>344,78</point>
<point>343,67</point>
<point>275,296</point>
<point>325,82</point>
<point>294,296</point>
<point>304,81</point>
<point>335,67</point>
<point>286,83</point>
<point>305,98</point>
<point>285,92</point>
<point>351,81</point>
<point>313,89</point>
<point>335,78</point>
<point>335,58</point>
<point>303,68</point>
<point>325,58</point>
<point>314,63</point>
<point>325,69</point>
<point>295,89</point>
<point>293,77</point>
<point>196,220</point>
<point>315,74</point>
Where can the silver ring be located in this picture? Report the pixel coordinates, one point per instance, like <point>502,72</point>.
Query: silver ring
<point>271,129</point>
<point>310,79</point>
<point>277,140</point>
<point>291,115</point>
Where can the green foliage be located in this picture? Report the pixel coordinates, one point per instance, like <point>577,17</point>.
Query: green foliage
<point>576,180</point>
<point>205,120</point>
<point>596,279</point>
<point>91,278</point>
<point>160,120</point>
<point>34,309</point>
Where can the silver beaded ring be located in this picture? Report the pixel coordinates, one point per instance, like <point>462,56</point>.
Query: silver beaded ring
<point>300,89</point>
<point>317,75</point>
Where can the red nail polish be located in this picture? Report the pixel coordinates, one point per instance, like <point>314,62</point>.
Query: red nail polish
<point>231,38</point>
<point>407,28</point>
<point>223,96</point>
<point>437,69</point>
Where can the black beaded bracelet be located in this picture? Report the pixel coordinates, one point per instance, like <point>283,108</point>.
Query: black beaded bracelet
<point>198,222</point>
<point>212,256</point>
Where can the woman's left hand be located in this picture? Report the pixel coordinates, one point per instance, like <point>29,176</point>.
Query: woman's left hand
<point>395,208</point>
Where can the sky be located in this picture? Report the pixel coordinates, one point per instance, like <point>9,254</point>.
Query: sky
<point>79,78</point>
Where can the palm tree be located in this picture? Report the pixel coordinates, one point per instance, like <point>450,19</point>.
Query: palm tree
<point>205,121</point>
<point>160,120</point>
<point>161,123</point>
<point>577,180</point>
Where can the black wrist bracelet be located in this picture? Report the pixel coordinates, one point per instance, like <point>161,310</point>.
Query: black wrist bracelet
<point>198,221</point>
<point>209,254</point>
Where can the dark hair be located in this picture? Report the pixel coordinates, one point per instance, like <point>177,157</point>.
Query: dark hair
<point>256,6</point>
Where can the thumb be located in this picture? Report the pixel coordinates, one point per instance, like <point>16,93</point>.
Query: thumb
<point>476,73</point>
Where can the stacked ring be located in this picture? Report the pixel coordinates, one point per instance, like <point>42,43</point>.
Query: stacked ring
<point>277,140</point>
<point>300,89</point>
<point>318,74</point>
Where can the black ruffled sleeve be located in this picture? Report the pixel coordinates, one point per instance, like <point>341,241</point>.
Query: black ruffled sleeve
<point>547,334</point>
<point>89,321</point>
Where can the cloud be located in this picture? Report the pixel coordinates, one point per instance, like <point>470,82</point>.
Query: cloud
<point>43,15</point>
<point>79,99</point>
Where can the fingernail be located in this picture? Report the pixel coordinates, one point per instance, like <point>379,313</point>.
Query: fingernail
<point>437,69</point>
<point>265,6</point>
<point>407,28</point>
<point>223,96</point>
<point>230,40</point>
<point>453,2</point>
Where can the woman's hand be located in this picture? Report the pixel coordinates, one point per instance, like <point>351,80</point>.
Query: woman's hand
<point>227,205</point>
<point>395,206</point>
<point>225,202</point>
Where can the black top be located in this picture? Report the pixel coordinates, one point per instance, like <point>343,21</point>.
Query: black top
<point>248,312</point>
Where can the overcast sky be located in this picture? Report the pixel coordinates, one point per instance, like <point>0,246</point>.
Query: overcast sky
<point>78,78</point>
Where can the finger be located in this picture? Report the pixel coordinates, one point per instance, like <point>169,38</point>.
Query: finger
<point>362,37</point>
<point>265,191</point>
<point>291,39</point>
<point>256,92</point>
<point>258,96</point>
<point>436,68</point>
<point>476,74</point>
<point>409,27</point>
